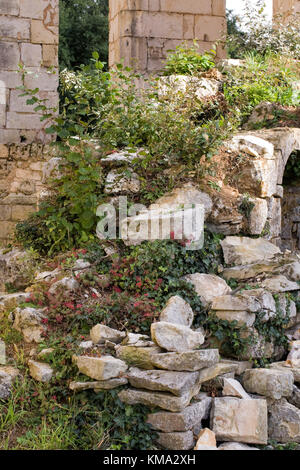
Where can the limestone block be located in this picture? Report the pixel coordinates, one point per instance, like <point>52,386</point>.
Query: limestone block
<point>10,7</point>
<point>14,28</point>
<point>101,333</point>
<point>187,361</point>
<point>42,79</point>
<point>244,421</point>
<point>233,388</point>
<point>176,440</point>
<point>243,250</point>
<point>177,311</point>
<point>177,383</point>
<point>100,368</point>
<point>31,55</point>
<point>40,34</point>
<point>206,438</point>
<point>284,422</point>
<point>9,57</point>
<point>271,383</point>
<point>142,357</point>
<point>40,371</point>
<point>208,286</point>
<point>175,338</point>
<point>258,216</point>
<point>186,420</point>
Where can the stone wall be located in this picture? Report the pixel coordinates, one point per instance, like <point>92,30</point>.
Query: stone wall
<point>286,7</point>
<point>28,35</point>
<point>21,187</point>
<point>142,31</point>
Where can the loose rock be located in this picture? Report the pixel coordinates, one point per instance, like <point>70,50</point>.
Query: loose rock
<point>187,361</point>
<point>101,333</point>
<point>269,382</point>
<point>208,286</point>
<point>284,422</point>
<point>238,420</point>
<point>176,338</point>
<point>40,371</point>
<point>100,368</point>
<point>177,311</point>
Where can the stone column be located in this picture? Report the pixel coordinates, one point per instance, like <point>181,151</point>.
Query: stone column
<point>285,8</point>
<point>28,36</point>
<point>142,31</point>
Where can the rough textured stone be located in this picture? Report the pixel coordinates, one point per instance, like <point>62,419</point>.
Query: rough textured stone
<point>97,386</point>
<point>235,446</point>
<point>284,422</point>
<point>118,183</point>
<point>8,375</point>
<point>294,399</point>
<point>40,371</point>
<point>186,420</point>
<point>243,250</point>
<point>141,357</point>
<point>187,195</point>
<point>29,322</point>
<point>101,333</point>
<point>241,366</point>
<point>241,317</point>
<point>163,400</point>
<point>238,420</point>
<point>100,368</point>
<point>278,284</point>
<point>177,311</point>
<point>208,286</point>
<point>233,388</point>
<point>187,85</point>
<point>67,284</point>
<point>177,383</point>
<point>293,358</point>
<point>215,371</point>
<point>187,361</point>
<point>284,367</point>
<point>176,440</point>
<point>271,383</point>
<point>175,338</point>
<point>206,438</point>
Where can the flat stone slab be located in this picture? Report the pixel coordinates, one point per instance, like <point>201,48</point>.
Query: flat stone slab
<point>241,366</point>
<point>186,420</point>
<point>244,250</point>
<point>279,284</point>
<point>98,386</point>
<point>187,361</point>
<point>100,368</point>
<point>237,420</point>
<point>176,338</point>
<point>214,371</point>
<point>163,400</point>
<point>136,356</point>
<point>177,383</point>
<point>176,440</point>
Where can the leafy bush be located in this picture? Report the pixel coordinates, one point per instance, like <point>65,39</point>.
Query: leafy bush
<point>187,60</point>
<point>253,32</point>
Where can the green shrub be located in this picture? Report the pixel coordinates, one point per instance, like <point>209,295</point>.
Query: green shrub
<point>187,60</point>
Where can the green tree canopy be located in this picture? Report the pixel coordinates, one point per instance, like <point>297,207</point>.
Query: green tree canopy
<point>83,30</point>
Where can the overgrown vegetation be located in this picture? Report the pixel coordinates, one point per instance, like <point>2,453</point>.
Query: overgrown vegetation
<point>102,112</point>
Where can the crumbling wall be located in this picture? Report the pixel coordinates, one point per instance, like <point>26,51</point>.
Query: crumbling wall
<point>142,31</point>
<point>28,36</point>
<point>285,8</point>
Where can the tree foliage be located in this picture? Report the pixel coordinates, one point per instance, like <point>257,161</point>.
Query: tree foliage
<point>83,30</point>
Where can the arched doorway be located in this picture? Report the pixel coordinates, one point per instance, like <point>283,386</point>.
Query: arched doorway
<point>290,235</point>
